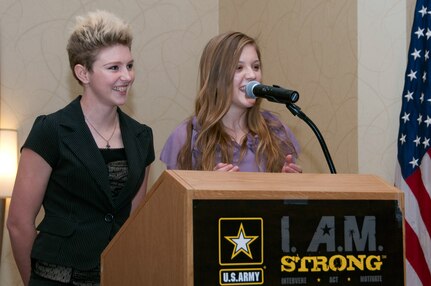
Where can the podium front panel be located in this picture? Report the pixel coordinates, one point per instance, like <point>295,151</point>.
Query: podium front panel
<point>298,242</point>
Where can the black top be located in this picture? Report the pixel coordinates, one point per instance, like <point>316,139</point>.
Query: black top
<point>81,214</point>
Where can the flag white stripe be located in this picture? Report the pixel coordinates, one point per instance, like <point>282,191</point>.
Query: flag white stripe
<point>425,172</point>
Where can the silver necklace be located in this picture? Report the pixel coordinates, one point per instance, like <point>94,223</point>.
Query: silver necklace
<point>108,146</point>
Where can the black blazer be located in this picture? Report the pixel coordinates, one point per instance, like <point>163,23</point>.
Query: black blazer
<point>80,215</point>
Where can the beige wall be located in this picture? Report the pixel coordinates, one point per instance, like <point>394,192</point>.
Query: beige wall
<point>383,38</point>
<point>346,59</point>
<point>169,36</point>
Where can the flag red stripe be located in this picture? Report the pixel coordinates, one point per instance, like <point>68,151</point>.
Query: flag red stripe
<point>415,255</point>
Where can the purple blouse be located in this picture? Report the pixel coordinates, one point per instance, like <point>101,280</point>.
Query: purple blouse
<point>248,163</point>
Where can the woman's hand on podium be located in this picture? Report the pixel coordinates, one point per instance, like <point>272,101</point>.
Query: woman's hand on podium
<point>225,167</point>
<point>290,166</point>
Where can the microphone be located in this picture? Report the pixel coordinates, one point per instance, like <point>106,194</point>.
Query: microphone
<point>272,93</point>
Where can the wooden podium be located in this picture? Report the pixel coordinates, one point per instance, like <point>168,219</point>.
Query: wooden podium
<point>217,228</point>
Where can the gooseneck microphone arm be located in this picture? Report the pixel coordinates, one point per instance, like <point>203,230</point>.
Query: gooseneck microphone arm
<point>277,94</point>
<point>296,111</point>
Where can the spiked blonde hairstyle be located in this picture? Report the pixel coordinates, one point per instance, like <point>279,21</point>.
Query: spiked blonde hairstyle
<point>216,69</point>
<point>92,32</point>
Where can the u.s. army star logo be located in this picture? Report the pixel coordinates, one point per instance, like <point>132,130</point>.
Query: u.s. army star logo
<point>241,242</point>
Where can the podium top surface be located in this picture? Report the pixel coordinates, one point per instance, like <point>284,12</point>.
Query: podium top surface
<point>250,185</point>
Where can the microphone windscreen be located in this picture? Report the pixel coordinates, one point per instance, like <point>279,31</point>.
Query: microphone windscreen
<point>249,89</point>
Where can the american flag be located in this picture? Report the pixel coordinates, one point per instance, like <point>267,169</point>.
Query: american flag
<point>413,174</point>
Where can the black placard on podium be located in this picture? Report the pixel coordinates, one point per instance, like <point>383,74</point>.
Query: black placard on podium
<point>298,242</point>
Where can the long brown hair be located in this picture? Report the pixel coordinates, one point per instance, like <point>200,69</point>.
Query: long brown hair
<point>216,71</point>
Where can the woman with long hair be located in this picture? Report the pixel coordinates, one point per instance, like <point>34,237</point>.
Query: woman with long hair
<point>229,131</point>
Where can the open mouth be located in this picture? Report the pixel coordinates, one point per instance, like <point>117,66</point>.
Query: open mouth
<point>120,88</point>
